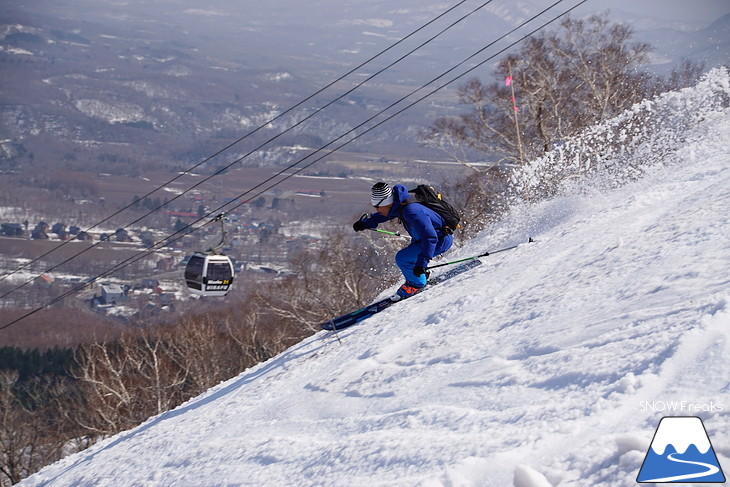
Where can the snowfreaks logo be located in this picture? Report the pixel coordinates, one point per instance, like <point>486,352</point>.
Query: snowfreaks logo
<point>681,452</point>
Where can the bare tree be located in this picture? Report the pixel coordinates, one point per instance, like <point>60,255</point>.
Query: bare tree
<point>330,280</point>
<point>686,74</point>
<point>155,368</point>
<point>108,397</point>
<point>481,199</point>
<point>564,81</point>
<point>28,440</point>
<point>258,336</point>
<point>127,380</point>
<point>201,347</point>
<point>15,435</point>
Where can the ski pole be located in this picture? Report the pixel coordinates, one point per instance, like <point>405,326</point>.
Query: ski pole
<point>395,234</point>
<point>477,256</point>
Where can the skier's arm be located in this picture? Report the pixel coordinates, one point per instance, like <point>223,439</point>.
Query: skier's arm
<point>374,220</point>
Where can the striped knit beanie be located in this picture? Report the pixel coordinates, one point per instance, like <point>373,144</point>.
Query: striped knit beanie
<point>381,195</point>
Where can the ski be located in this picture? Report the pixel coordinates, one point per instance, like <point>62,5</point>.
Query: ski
<point>349,319</point>
<point>344,321</point>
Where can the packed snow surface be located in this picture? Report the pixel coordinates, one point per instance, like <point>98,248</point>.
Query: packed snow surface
<point>551,364</point>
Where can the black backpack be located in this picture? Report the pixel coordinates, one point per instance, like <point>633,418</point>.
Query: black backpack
<point>428,197</point>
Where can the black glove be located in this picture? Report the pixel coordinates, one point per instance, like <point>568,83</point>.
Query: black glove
<point>418,270</point>
<point>359,225</point>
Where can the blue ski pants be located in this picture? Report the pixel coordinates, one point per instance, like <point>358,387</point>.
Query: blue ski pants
<point>406,260</point>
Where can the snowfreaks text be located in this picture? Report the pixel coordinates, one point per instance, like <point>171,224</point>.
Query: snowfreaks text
<point>680,406</point>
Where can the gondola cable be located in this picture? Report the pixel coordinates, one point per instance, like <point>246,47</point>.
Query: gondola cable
<point>168,240</point>
<point>252,132</point>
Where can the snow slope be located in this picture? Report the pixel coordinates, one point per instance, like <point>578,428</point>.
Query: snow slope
<point>550,364</point>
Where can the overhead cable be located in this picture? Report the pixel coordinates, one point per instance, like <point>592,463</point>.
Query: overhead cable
<point>223,208</point>
<point>260,127</point>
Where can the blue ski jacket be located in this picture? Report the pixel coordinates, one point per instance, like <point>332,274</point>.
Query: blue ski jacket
<point>421,223</point>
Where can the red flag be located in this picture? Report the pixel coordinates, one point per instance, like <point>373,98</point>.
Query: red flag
<point>508,81</point>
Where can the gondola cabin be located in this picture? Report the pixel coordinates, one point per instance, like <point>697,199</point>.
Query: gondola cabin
<point>209,274</point>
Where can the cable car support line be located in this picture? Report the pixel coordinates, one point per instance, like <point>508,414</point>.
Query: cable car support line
<point>189,228</point>
<point>252,132</point>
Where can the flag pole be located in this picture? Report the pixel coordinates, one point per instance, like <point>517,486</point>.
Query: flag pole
<point>514,107</point>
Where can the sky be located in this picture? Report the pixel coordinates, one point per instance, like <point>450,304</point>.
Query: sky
<point>705,11</point>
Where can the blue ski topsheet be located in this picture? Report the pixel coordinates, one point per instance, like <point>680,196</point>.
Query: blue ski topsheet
<point>358,315</point>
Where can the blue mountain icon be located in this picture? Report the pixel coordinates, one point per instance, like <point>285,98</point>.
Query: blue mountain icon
<point>681,452</point>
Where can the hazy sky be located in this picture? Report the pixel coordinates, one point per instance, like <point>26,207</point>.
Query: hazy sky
<point>689,10</point>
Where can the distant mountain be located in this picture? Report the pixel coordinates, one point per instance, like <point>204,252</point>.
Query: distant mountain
<point>710,45</point>
<point>170,83</point>
<point>175,80</point>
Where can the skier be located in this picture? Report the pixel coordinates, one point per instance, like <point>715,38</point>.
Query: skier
<point>426,227</point>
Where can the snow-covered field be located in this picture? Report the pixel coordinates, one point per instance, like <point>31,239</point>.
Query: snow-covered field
<point>551,364</point>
